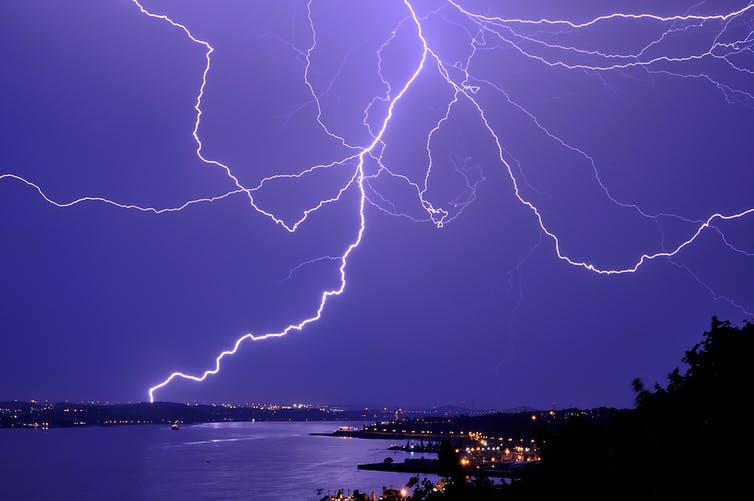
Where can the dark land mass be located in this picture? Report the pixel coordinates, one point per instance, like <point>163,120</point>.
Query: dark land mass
<point>36,414</point>
<point>383,423</point>
<point>16,414</point>
<point>689,439</point>
<point>516,425</point>
<point>434,467</point>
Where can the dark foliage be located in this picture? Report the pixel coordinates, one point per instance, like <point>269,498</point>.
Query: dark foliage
<point>690,439</point>
<point>687,440</point>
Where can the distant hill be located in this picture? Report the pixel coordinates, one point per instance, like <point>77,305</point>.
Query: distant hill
<point>15,414</point>
<point>456,410</point>
<point>18,414</point>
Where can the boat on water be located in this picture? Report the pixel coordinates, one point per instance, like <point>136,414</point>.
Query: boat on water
<point>176,425</point>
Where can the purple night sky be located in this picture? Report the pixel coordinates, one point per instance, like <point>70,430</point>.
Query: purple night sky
<point>102,302</point>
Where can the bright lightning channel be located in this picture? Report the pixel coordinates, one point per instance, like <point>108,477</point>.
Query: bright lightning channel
<point>463,91</point>
<point>360,177</point>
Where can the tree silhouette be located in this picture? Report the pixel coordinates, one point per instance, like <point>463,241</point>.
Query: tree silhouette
<point>690,439</point>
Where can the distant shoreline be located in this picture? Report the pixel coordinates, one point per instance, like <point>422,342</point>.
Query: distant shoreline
<point>45,415</point>
<point>34,414</point>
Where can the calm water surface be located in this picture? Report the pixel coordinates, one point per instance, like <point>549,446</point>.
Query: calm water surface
<point>257,461</point>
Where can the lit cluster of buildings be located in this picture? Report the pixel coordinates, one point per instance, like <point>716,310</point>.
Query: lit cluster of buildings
<point>491,452</point>
<point>387,494</point>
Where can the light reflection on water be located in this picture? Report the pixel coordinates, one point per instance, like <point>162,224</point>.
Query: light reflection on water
<point>256,461</point>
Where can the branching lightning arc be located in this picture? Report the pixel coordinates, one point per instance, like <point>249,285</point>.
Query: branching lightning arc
<point>485,33</point>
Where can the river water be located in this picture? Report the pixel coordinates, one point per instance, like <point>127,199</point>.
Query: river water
<point>257,461</point>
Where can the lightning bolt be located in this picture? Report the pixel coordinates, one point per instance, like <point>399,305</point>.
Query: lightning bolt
<point>530,38</point>
<point>327,294</point>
